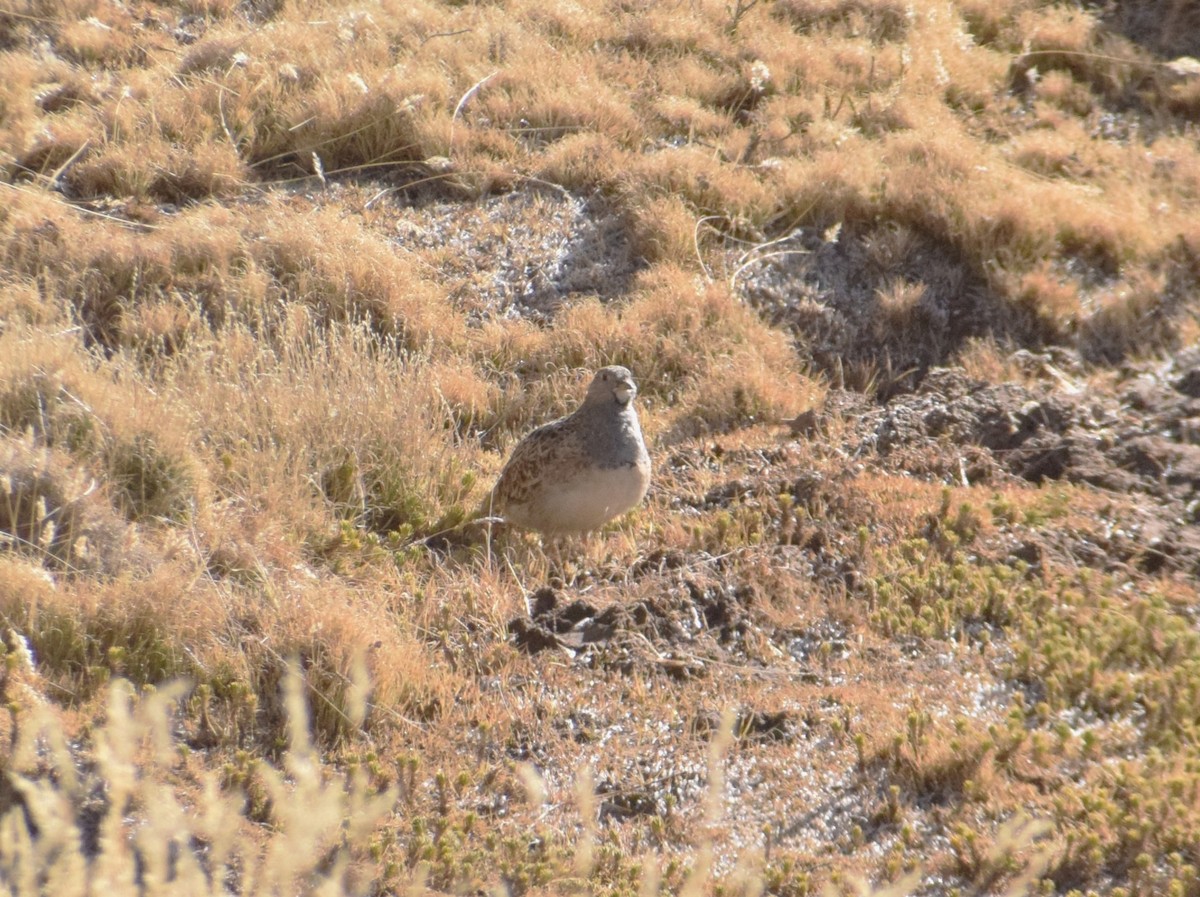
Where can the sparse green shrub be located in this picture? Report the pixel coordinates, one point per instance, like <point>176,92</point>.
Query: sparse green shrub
<point>83,651</point>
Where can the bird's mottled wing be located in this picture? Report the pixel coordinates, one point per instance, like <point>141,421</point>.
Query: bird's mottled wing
<point>552,447</point>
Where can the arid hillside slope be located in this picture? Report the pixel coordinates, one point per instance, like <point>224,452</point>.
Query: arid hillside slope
<point>912,295</point>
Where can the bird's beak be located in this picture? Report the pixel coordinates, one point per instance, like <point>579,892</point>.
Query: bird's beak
<point>625,391</point>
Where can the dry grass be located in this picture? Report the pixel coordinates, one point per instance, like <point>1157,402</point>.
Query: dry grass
<point>280,285</point>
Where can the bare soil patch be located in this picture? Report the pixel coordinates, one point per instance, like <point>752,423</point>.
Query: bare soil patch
<point>523,254</point>
<point>876,306</point>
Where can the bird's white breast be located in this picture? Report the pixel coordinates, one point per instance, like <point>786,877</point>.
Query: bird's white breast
<point>584,501</point>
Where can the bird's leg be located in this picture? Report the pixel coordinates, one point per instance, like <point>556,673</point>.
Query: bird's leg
<point>556,560</point>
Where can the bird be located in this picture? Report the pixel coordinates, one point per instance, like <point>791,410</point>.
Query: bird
<point>579,472</point>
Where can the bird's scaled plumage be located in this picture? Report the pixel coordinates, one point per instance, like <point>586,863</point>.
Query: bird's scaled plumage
<point>581,471</point>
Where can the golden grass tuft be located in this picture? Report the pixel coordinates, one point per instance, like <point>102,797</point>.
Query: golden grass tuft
<point>346,274</point>
<point>1132,319</point>
<point>164,173</point>
<point>106,37</point>
<point>1060,89</point>
<point>137,446</point>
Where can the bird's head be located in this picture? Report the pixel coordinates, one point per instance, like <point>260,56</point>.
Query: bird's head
<point>612,384</point>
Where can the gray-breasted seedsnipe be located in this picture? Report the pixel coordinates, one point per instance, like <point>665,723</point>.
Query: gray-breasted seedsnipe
<point>580,471</point>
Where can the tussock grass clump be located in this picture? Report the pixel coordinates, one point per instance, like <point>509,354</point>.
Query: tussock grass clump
<point>690,344</point>
<point>341,422</point>
<point>347,275</point>
<point>131,443</point>
<point>42,502</point>
<point>83,638</point>
<point>149,482</point>
<point>207,268</point>
<point>43,406</point>
<point>178,176</point>
<point>880,22</point>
